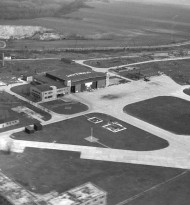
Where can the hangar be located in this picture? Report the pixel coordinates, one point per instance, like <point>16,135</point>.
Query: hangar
<point>81,81</point>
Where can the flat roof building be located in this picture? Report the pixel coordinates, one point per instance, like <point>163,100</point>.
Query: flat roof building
<point>13,194</point>
<point>55,84</point>
<point>86,194</point>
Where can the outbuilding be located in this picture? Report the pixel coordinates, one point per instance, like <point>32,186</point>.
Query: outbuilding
<point>38,126</point>
<point>29,129</point>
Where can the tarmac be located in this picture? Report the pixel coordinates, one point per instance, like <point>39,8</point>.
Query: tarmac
<point>177,154</point>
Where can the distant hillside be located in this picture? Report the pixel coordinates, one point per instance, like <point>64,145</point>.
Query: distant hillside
<point>25,9</point>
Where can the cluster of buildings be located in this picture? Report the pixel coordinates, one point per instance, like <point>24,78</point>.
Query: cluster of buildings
<point>56,84</point>
<point>86,194</point>
<point>12,193</point>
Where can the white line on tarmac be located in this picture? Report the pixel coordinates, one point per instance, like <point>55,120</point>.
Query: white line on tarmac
<point>103,144</point>
<point>152,188</point>
<point>86,116</point>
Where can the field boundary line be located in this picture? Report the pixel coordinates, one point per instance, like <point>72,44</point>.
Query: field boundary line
<point>152,188</point>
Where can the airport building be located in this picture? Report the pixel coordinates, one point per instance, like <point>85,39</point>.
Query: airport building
<point>81,81</point>
<point>56,84</point>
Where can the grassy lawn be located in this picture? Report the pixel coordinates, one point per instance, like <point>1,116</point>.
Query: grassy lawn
<point>75,130</point>
<point>177,193</point>
<point>65,107</point>
<point>187,91</point>
<point>8,101</point>
<point>169,113</point>
<point>23,90</point>
<point>43,171</point>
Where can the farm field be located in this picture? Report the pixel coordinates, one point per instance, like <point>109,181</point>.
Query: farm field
<point>8,102</point>
<point>65,106</point>
<point>177,70</point>
<point>112,24</point>
<point>42,171</point>
<point>169,113</point>
<point>77,130</point>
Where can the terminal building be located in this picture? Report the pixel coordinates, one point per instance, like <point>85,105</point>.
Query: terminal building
<point>56,84</point>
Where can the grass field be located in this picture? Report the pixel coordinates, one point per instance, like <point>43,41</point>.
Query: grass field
<point>187,91</point>
<point>18,68</point>
<point>169,113</point>
<point>116,61</point>
<point>8,101</point>
<point>113,24</point>
<point>24,91</point>
<point>75,130</point>
<point>67,107</point>
<point>43,171</point>
<point>177,70</point>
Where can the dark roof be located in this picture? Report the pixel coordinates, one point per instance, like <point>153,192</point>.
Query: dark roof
<point>48,81</point>
<point>43,87</point>
<point>75,77</point>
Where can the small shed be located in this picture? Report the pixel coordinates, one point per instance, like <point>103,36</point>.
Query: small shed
<point>29,130</point>
<point>28,78</point>
<point>38,126</point>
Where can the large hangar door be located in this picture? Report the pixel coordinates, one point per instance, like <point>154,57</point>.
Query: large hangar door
<point>83,87</point>
<point>94,85</point>
<point>73,89</point>
<point>78,88</point>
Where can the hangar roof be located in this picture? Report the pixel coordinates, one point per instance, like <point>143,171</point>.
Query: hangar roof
<point>43,87</point>
<point>75,77</point>
<point>48,81</point>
